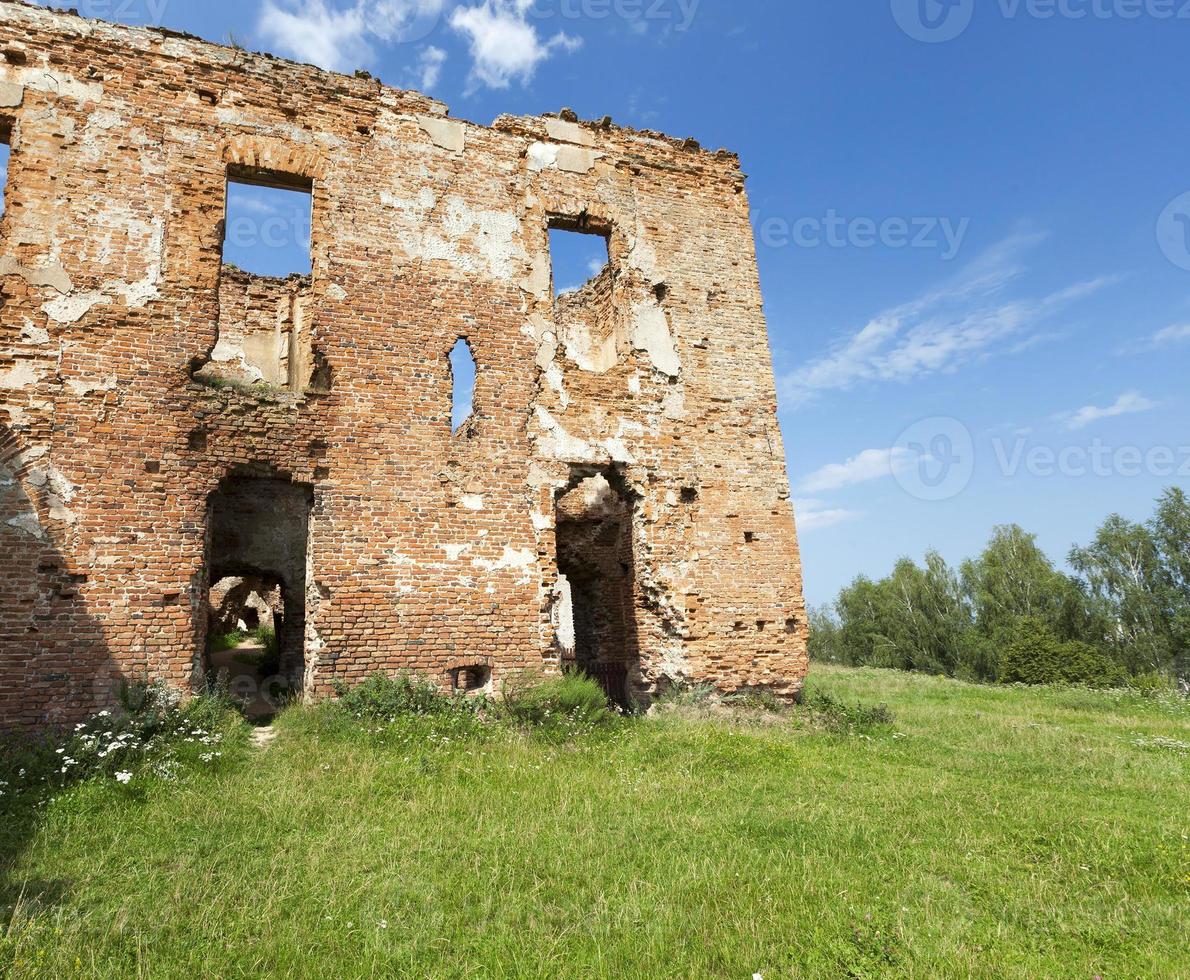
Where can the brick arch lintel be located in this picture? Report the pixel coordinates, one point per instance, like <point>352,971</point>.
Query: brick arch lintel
<point>274,156</point>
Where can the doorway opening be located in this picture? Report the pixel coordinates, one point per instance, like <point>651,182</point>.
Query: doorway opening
<point>596,565</point>
<point>257,534</point>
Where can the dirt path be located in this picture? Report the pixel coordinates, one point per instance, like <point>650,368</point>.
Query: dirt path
<point>262,738</point>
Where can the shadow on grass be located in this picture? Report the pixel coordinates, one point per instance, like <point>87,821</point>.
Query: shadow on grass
<point>21,810</point>
<point>55,665</point>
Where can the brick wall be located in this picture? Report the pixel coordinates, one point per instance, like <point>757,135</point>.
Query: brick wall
<point>426,551</point>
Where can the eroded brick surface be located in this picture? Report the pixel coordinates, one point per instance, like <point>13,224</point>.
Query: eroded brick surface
<point>426,551</point>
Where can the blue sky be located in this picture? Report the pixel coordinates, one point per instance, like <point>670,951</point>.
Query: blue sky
<point>973,222</point>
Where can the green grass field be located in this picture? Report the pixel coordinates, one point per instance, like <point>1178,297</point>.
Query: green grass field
<point>992,832</point>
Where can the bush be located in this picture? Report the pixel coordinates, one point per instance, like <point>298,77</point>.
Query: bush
<point>1155,685</point>
<point>1031,654</point>
<point>218,642</point>
<point>381,697</point>
<point>270,663</point>
<point>573,700</point>
<point>153,733</point>
<point>838,716</point>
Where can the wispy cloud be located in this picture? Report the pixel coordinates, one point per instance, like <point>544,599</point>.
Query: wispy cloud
<point>1129,403</point>
<point>965,319</point>
<point>249,203</point>
<point>504,45</point>
<point>1167,337</point>
<point>1177,334</point>
<point>813,515</point>
<point>429,67</point>
<point>871,464</point>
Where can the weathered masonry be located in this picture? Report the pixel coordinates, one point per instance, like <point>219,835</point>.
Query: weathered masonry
<point>174,431</point>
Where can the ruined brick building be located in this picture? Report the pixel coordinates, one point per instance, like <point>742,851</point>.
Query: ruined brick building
<point>618,499</point>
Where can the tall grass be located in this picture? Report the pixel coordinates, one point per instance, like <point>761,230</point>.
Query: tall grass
<point>991,832</point>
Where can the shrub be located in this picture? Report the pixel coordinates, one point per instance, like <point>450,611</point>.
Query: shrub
<point>838,716</point>
<point>381,697</point>
<point>1155,685</point>
<point>573,700</point>
<point>153,732</point>
<point>1030,653</point>
<point>271,660</point>
<point>217,642</point>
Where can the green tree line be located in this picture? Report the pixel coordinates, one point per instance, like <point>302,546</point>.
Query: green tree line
<point>1011,616</point>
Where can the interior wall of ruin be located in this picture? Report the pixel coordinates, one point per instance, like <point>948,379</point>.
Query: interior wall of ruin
<point>427,551</point>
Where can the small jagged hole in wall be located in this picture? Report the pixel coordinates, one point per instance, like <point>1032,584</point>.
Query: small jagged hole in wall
<point>267,224</point>
<point>596,562</point>
<point>463,372</point>
<point>257,534</point>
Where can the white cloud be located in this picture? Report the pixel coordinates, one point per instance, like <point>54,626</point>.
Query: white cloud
<point>311,31</point>
<point>339,38</point>
<point>402,21</point>
<point>504,45</point>
<point>429,67</point>
<point>871,464</point>
<point>341,35</point>
<point>813,515</point>
<point>965,319</point>
<point>1177,334</point>
<point>1127,404</point>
